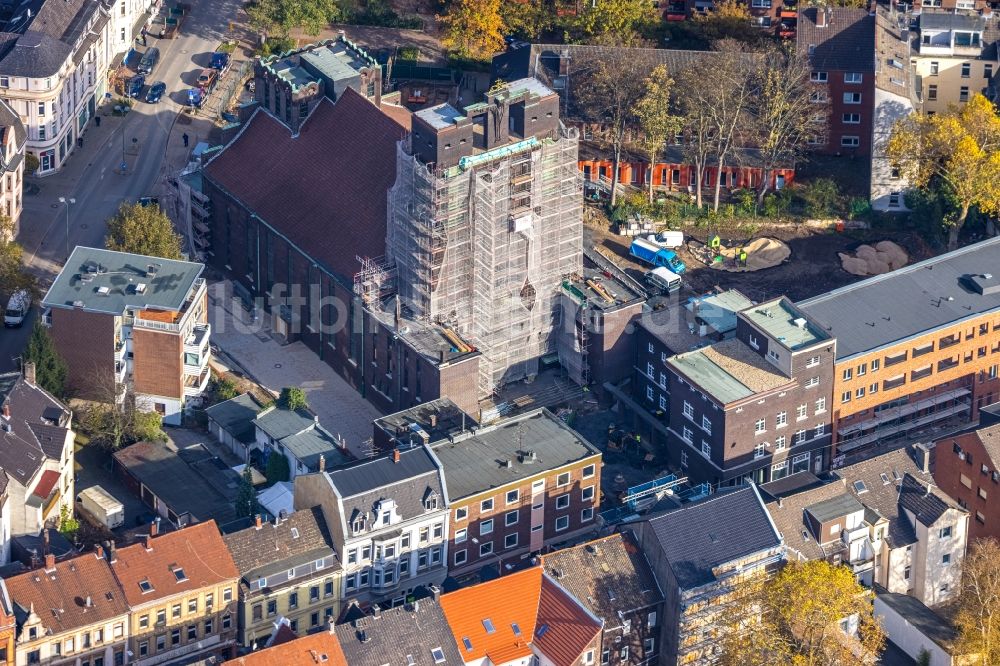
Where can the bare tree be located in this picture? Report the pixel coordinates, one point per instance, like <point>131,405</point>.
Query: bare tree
<point>657,123</point>
<point>694,99</point>
<point>607,88</point>
<point>732,90</point>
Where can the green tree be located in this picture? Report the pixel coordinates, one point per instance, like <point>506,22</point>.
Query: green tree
<point>657,124</point>
<point>473,29</point>
<point>277,468</point>
<point>31,164</point>
<point>143,230</point>
<point>50,368</point>
<point>613,22</point>
<point>280,17</point>
<point>292,397</point>
<point>68,525</point>
<point>114,420</point>
<point>960,149</point>
<point>221,389</point>
<point>246,497</point>
<point>796,619</point>
<point>12,274</point>
<point>977,615</point>
<point>528,20</point>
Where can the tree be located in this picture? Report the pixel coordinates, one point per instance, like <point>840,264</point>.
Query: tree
<point>960,149</point>
<point>528,19</point>
<point>246,497</point>
<point>221,389</point>
<point>292,397</point>
<point>50,368</point>
<point>656,122</point>
<point>68,525</point>
<point>280,17</point>
<point>797,617</point>
<point>608,88</point>
<point>12,274</point>
<point>114,419</point>
<point>277,468</point>
<point>694,100</point>
<point>143,230</point>
<point>473,29</point>
<point>613,22</point>
<point>729,19</point>
<point>977,615</point>
<point>782,111</point>
<point>31,164</point>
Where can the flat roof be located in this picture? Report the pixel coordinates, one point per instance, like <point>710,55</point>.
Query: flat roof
<point>109,282</point>
<point>427,339</point>
<point>291,71</point>
<point>336,61</point>
<point>728,371</point>
<point>498,455</point>
<point>698,322</point>
<point>949,21</point>
<point>411,424</point>
<point>532,85</point>
<point>835,507</point>
<point>786,324</point>
<point>441,116</point>
<point>909,301</point>
<point>923,619</point>
<point>582,287</point>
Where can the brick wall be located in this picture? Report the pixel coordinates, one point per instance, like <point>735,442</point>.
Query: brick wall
<point>157,363</point>
<point>91,365</point>
<point>964,470</point>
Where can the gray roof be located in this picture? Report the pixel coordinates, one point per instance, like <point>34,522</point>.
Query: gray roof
<point>413,629</point>
<point>38,428</point>
<point>789,517</point>
<point>337,60</point>
<point>786,323</point>
<point>728,371</point>
<point>279,423</point>
<point>926,506</point>
<point>299,431</point>
<point>477,462</point>
<point>10,120</point>
<point>236,416</point>
<point>32,55</point>
<point>847,43</point>
<point>835,507</point>
<point>949,21</point>
<point>413,423</point>
<point>990,439</point>
<point>606,576</point>
<point>935,627</point>
<point>64,19</point>
<point>724,528</point>
<point>274,547</point>
<point>910,301</point>
<point>441,116</point>
<point>90,270</point>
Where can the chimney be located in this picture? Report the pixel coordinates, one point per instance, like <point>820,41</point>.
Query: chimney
<point>90,602</point>
<point>395,455</point>
<point>99,551</point>
<point>149,541</point>
<point>258,522</point>
<point>821,17</point>
<point>433,420</point>
<point>153,528</point>
<point>398,311</point>
<point>331,625</point>
<point>29,372</point>
<point>50,561</point>
<point>923,457</point>
<point>322,463</point>
<point>46,547</point>
<point>6,410</point>
<point>112,554</point>
<point>435,592</point>
<point>779,502</point>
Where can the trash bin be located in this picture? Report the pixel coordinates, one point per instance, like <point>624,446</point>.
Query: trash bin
<point>840,226</point>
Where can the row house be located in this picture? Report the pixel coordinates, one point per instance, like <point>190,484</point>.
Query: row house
<point>881,517</point>
<point>954,55</point>
<point>71,611</point>
<point>729,544</point>
<point>147,323</point>
<point>181,590</point>
<point>13,139</point>
<point>289,572</point>
<point>388,519</point>
<point>755,407</point>
<point>321,647</point>
<point>916,348</point>
<point>967,467</point>
<point>297,435</point>
<point>515,487</point>
<point>611,577</point>
<point>416,632</point>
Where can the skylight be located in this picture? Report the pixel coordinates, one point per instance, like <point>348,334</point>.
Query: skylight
<point>517,629</point>
<point>410,661</point>
<point>860,487</point>
<point>295,533</point>
<point>180,575</point>
<point>542,630</point>
<point>885,478</point>
<point>467,643</point>
<point>895,475</point>
<point>488,625</point>
<point>438,655</point>
<point>145,586</point>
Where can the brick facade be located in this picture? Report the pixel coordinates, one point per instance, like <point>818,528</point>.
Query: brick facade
<point>157,363</point>
<point>965,469</point>
<point>91,365</point>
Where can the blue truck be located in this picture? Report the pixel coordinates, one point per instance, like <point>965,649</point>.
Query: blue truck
<point>654,254</point>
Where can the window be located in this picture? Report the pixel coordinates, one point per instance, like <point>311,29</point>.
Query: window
<point>800,412</point>
<point>687,434</point>
<point>438,655</point>
<point>461,535</point>
<point>760,450</point>
<point>760,426</point>
<point>688,410</point>
<point>588,656</point>
<point>813,382</point>
<point>589,471</point>
<point>966,70</point>
<point>486,549</point>
<point>462,513</point>
<point>4,82</point>
<point>650,371</point>
<point>562,502</point>
<point>192,632</point>
<point>161,617</point>
<point>963,94</point>
<point>41,108</point>
<point>852,98</point>
<point>935,68</point>
<point>820,430</point>
<point>143,648</point>
<point>818,77</point>
<point>649,393</point>
<point>175,635</point>
<point>800,437</point>
<point>486,506</point>
<point>781,419</point>
<point>587,494</point>
<point>845,396</point>
<point>945,532</point>
<point>145,586</point>
<point>850,141</point>
<point>562,480</point>
<point>859,392</point>
<point>753,341</point>
<point>144,622</point>
<point>906,573</point>
<point>706,449</point>
<point>820,406</point>
<point>562,523</point>
<point>510,518</point>
<point>848,373</point>
<point>293,599</point>
<point>706,424</point>
<point>513,496</point>
<point>461,557</point>
<point>946,558</point>
<point>510,541</point>
<point>852,77</point>
<point>192,606</point>
<point>41,132</point>
<point>852,118</point>
<point>486,527</point>
<point>587,514</point>
<point>988,71</point>
<point>932,93</point>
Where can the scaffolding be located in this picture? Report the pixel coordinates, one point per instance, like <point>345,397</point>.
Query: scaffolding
<point>484,247</point>
<point>375,280</point>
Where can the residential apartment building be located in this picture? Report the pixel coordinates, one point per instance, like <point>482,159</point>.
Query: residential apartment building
<point>967,467</point>
<point>322,647</point>
<point>839,42</point>
<point>755,407</point>
<point>8,626</point>
<point>882,518</point>
<point>612,578</point>
<point>917,348</point>
<point>417,631</point>
<point>71,611</point>
<point>954,54</point>
<point>181,591</point>
<point>729,543</point>
<point>431,421</point>
<point>128,18</point>
<point>387,518</point>
<point>147,323</point>
<point>525,617</point>
<point>36,456</point>
<point>528,482</point>
<point>13,139</point>
<point>53,71</point>
<point>288,571</point>
<point>297,435</point>
<point>501,176</point>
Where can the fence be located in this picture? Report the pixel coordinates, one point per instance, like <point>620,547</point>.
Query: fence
<point>233,85</point>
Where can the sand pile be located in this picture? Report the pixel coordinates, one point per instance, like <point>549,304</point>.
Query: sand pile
<point>881,258</point>
<point>761,253</point>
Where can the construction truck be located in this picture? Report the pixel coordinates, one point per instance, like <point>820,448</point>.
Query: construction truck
<point>651,253</point>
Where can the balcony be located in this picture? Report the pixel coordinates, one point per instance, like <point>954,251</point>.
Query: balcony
<point>195,384</point>
<point>119,351</point>
<point>170,322</point>
<point>197,342</point>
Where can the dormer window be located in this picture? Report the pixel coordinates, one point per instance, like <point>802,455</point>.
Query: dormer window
<point>430,500</point>
<point>145,586</point>
<point>358,525</point>
<point>180,575</point>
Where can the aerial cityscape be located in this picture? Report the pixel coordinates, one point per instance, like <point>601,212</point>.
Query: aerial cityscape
<point>500,332</point>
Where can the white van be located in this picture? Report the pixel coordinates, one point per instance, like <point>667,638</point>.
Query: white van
<point>17,308</point>
<point>668,238</point>
<point>663,279</point>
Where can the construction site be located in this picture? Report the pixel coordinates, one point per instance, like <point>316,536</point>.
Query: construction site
<point>485,222</point>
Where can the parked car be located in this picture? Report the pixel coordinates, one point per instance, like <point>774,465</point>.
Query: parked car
<point>17,308</point>
<point>206,80</point>
<point>156,92</point>
<point>195,97</point>
<point>220,61</point>
<point>135,85</point>
<point>149,60</point>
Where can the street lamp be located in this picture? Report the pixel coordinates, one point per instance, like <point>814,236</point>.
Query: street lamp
<point>64,200</point>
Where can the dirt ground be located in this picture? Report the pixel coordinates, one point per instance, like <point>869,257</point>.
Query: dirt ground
<point>812,268</point>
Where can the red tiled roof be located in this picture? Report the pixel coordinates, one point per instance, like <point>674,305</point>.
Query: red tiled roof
<point>197,549</point>
<point>569,628</point>
<point>320,648</point>
<point>324,189</point>
<point>50,478</point>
